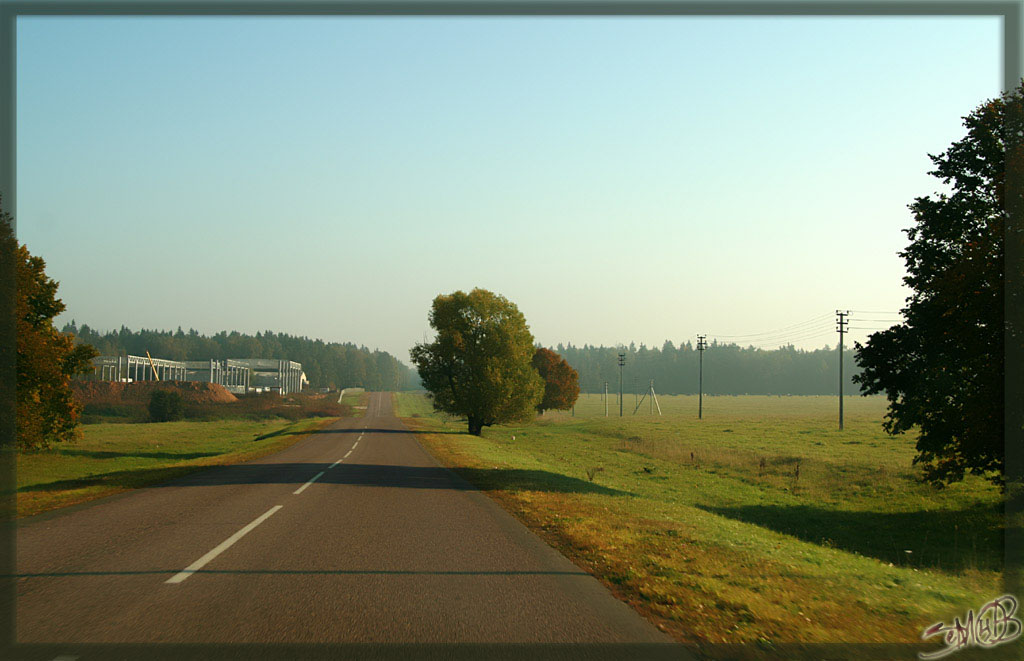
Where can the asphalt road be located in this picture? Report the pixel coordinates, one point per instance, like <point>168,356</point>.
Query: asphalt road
<point>384,545</point>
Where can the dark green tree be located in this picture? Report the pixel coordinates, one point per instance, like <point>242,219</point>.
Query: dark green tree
<point>942,368</point>
<point>479,365</point>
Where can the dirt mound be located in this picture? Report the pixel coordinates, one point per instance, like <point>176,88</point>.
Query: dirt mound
<point>109,392</point>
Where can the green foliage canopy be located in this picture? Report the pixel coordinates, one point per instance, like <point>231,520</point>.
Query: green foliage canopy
<point>479,365</point>
<point>942,369</point>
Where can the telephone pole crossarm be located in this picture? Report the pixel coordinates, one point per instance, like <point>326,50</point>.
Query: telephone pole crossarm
<point>701,345</point>
<point>622,363</point>
<point>841,324</point>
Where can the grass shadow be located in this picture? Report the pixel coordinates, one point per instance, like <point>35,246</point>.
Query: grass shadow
<point>101,454</point>
<point>518,479</point>
<point>948,540</point>
<point>124,479</point>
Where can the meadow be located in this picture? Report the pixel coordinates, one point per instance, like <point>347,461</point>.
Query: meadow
<point>112,457</point>
<point>760,523</point>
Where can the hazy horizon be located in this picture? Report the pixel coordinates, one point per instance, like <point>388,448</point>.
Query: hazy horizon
<point>619,179</point>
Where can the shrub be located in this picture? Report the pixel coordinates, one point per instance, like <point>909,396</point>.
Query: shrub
<point>100,413</point>
<point>166,405</point>
<point>266,406</point>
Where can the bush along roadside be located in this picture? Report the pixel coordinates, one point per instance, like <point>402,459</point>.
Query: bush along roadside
<point>166,406</point>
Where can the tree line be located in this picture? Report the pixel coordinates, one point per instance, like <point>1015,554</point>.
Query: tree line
<point>729,369</point>
<point>326,364</point>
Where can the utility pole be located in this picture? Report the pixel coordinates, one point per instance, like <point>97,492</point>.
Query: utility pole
<point>622,363</point>
<point>701,345</point>
<point>636,392</point>
<point>606,399</point>
<point>652,396</point>
<point>841,323</point>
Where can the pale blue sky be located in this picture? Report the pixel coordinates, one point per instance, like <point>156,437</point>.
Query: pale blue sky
<point>620,179</point>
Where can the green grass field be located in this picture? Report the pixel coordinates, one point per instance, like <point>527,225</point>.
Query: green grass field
<point>709,528</point>
<point>112,458</point>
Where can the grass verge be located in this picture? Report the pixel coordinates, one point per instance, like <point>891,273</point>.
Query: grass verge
<point>356,402</point>
<point>112,458</point>
<point>709,530</point>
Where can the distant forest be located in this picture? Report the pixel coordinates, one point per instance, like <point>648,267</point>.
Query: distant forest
<point>728,369</point>
<point>333,364</point>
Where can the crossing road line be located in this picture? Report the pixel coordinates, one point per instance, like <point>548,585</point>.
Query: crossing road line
<point>303,487</point>
<point>220,548</point>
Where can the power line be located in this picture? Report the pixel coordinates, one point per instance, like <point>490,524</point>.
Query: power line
<point>813,320</point>
<point>775,345</point>
<point>781,336</point>
<point>811,328</point>
<point>809,332</point>
<point>780,331</point>
<point>797,335</point>
<point>783,343</point>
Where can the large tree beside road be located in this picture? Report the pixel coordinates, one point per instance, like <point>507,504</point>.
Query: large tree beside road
<point>479,364</point>
<point>45,410</point>
<point>942,368</point>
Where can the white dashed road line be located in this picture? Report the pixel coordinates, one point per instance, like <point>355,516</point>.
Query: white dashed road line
<point>220,548</point>
<point>303,487</point>
<point>223,546</point>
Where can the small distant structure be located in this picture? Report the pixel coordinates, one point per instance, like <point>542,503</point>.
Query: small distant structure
<point>238,375</point>
<point>230,373</point>
<point>130,369</point>
<point>273,375</point>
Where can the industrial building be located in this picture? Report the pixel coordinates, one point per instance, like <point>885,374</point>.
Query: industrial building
<point>270,374</point>
<point>238,375</point>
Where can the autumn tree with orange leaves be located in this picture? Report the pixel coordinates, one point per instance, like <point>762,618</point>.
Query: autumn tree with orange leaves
<point>46,412</point>
<point>561,382</point>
